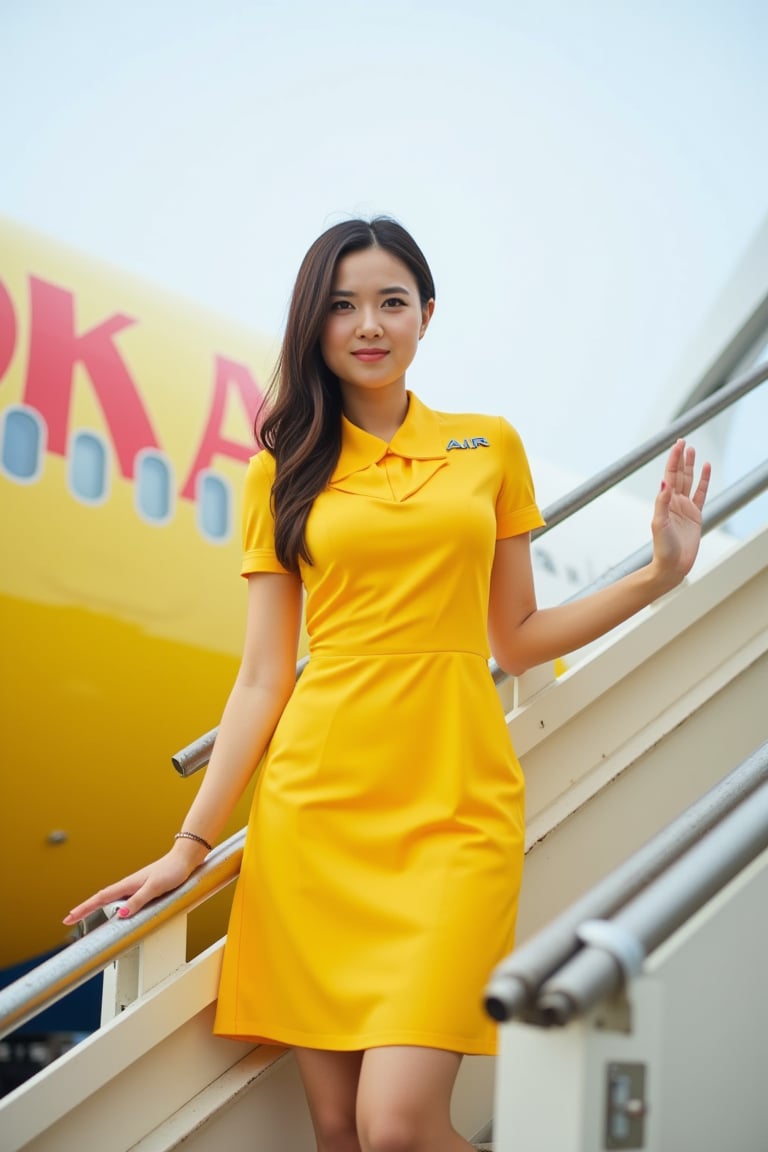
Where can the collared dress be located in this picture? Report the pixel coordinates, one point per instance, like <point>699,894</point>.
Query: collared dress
<point>384,851</point>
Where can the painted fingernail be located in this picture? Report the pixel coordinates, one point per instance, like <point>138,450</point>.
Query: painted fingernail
<point>123,912</point>
<point>663,485</point>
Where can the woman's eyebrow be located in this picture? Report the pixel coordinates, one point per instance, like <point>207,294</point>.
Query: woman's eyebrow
<point>396,288</point>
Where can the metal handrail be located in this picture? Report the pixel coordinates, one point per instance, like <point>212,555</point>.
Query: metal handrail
<point>717,510</point>
<point>92,953</point>
<point>600,969</point>
<point>517,985</point>
<point>627,465</point>
<point>197,754</point>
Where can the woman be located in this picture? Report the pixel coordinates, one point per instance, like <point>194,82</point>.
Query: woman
<point>385,843</point>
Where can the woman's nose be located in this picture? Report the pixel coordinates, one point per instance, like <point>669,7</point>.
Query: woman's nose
<point>368,323</point>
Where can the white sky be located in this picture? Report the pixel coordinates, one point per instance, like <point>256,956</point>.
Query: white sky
<point>583,175</point>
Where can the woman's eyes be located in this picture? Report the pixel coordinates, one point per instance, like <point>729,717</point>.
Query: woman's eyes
<point>390,302</point>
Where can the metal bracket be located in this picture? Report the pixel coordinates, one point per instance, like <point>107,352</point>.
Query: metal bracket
<point>625,1106</point>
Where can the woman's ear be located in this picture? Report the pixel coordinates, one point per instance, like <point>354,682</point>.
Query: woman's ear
<point>426,316</point>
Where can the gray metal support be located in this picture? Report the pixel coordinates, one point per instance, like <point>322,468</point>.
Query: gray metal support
<point>596,973</point>
<point>515,982</point>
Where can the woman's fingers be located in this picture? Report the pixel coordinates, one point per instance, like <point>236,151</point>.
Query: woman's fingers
<point>679,474</point>
<point>136,890</point>
<point>119,891</point>
<point>689,459</point>
<point>149,890</point>
<point>676,525</point>
<point>700,495</point>
<point>674,470</point>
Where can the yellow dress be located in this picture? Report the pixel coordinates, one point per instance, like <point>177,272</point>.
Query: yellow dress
<point>385,843</point>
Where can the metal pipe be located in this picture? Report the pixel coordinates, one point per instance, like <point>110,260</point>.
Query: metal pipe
<point>515,982</point>
<point>716,511</point>
<point>651,448</point>
<point>597,972</point>
<point>197,754</point>
<point>84,958</point>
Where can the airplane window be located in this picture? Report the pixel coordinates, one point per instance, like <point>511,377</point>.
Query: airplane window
<point>21,444</point>
<point>154,493</point>
<point>213,506</point>
<point>88,468</point>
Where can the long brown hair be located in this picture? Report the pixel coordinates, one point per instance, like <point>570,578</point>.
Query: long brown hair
<point>302,424</point>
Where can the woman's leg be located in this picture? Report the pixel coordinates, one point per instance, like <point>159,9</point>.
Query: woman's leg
<point>330,1081</point>
<point>404,1101</point>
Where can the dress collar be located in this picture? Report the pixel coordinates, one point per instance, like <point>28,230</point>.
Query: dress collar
<point>419,437</point>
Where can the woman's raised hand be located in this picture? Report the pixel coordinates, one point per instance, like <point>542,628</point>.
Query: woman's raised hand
<point>147,884</point>
<point>676,524</point>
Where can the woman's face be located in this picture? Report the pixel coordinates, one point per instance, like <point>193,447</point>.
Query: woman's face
<point>375,321</point>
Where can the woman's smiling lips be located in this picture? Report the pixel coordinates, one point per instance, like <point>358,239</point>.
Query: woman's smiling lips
<point>370,355</point>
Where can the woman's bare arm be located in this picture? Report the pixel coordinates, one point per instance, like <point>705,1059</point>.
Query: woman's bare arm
<point>264,683</point>
<point>522,635</point>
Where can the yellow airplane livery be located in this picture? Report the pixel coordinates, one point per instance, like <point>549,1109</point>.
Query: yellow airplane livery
<point>126,420</point>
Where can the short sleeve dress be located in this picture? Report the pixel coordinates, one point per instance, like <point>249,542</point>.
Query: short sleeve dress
<point>384,850</point>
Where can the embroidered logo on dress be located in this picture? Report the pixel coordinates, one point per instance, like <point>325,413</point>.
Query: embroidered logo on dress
<point>472,442</point>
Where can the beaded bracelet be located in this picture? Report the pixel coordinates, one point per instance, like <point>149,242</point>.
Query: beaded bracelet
<point>193,836</point>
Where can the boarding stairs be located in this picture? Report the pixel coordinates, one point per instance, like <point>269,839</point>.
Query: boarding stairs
<point>635,732</point>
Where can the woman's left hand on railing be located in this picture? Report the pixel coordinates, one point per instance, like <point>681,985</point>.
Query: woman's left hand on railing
<point>146,884</point>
